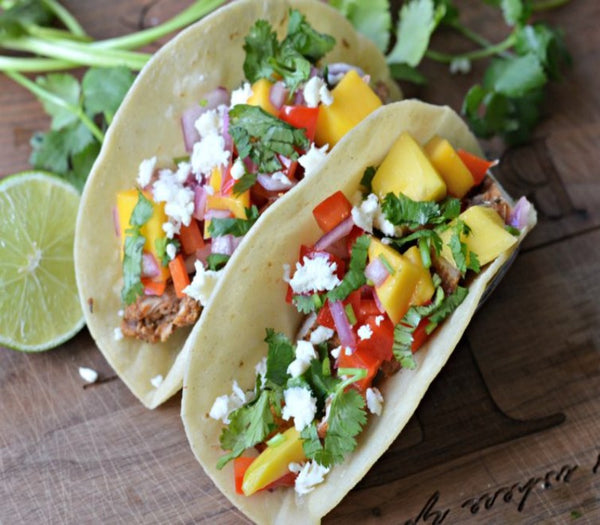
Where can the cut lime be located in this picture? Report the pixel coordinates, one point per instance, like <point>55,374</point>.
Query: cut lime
<point>39,305</point>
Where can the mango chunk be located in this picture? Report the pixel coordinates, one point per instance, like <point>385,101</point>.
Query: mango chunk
<point>425,289</point>
<point>488,237</point>
<point>261,91</point>
<point>273,462</point>
<point>152,230</point>
<point>353,100</point>
<point>450,166</point>
<point>236,204</point>
<point>407,170</point>
<point>397,291</point>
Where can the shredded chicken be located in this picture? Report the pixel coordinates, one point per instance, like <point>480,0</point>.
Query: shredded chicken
<point>153,318</point>
<point>491,196</point>
<point>449,275</point>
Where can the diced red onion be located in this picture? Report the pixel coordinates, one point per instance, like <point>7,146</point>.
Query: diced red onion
<point>376,272</point>
<point>519,216</point>
<point>216,97</point>
<point>249,165</point>
<point>299,98</point>
<point>116,223</point>
<point>338,248</point>
<point>378,302</point>
<point>278,94</point>
<point>203,253</point>
<point>200,197</point>
<point>190,263</point>
<point>271,184</point>
<point>189,117</point>
<point>223,244</point>
<point>339,232</point>
<point>226,135</point>
<point>150,266</point>
<point>342,325</point>
<point>337,70</point>
<point>217,214</point>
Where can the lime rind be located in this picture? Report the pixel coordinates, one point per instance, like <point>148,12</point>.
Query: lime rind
<point>39,304</point>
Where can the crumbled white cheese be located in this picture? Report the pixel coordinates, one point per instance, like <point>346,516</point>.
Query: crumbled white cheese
<point>310,474</point>
<point>156,381</point>
<point>208,154</point>
<point>364,214</point>
<point>117,334</point>
<point>238,169</point>
<point>335,353</point>
<point>382,224</point>
<point>171,250</point>
<point>315,92</point>
<point>299,405</point>
<point>378,320</point>
<point>312,160</point>
<point>241,94</point>
<point>282,178</point>
<point>307,325</point>
<point>203,283</point>
<point>313,275</point>
<point>243,397</point>
<point>224,405</point>
<point>145,172</point>
<point>297,367</point>
<point>321,334</point>
<point>178,199</point>
<point>365,332</point>
<point>171,228</point>
<point>209,123</point>
<point>305,353</point>
<point>348,350</point>
<point>183,172</point>
<point>374,401</point>
<point>89,375</point>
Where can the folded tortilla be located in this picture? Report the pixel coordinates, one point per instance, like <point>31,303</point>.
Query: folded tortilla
<point>203,57</point>
<point>255,300</point>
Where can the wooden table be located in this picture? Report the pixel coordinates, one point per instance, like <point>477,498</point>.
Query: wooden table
<point>509,431</point>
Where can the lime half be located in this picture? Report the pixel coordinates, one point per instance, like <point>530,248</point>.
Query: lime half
<point>39,305</point>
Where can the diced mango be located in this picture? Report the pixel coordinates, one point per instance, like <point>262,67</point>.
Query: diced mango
<point>488,237</point>
<point>397,291</point>
<point>152,230</point>
<point>425,289</point>
<point>215,180</point>
<point>261,91</point>
<point>273,462</point>
<point>449,165</point>
<point>353,100</point>
<point>236,204</point>
<point>407,170</point>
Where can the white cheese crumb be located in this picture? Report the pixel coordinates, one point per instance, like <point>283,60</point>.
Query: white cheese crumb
<point>314,275</point>
<point>171,250</point>
<point>224,405</point>
<point>208,154</point>
<point>335,353</point>
<point>374,401</point>
<point>378,320</point>
<point>312,160</point>
<point>210,122</point>
<point>117,334</point>
<point>305,353</point>
<point>241,94</point>
<point>321,334</point>
<point>299,405</point>
<point>282,178</point>
<point>315,91</point>
<point>309,475</point>
<point>365,332</point>
<point>183,172</point>
<point>88,374</point>
<point>171,228</point>
<point>145,172</point>
<point>364,214</point>
<point>348,350</point>
<point>203,283</point>
<point>238,169</point>
<point>178,199</point>
<point>156,381</point>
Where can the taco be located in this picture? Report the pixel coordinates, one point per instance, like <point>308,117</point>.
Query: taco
<point>387,256</point>
<point>212,132</point>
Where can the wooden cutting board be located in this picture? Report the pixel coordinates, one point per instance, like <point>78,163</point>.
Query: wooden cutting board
<point>508,433</point>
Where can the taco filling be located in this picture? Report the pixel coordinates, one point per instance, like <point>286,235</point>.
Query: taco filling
<point>390,267</point>
<point>247,148</point>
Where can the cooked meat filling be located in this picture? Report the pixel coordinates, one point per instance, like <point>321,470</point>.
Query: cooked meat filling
<point>153,318</point>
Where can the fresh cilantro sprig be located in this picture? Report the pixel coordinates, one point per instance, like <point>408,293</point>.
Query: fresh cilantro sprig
<point>464,258</point>
<point>262,137</point>
<point>234,226</point>
<point>355,276</point>
<point>292,58</point>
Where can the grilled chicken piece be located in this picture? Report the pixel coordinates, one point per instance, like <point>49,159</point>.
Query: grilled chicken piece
<point>449,275</point>
<point>491,196</point>
<point>153,318</point>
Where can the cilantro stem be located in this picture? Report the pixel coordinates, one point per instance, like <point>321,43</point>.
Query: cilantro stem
<point>52,33</point>
<point>197,10</point>
<point>544,5</point>
<point>65,17</point>
<point>356,374</point>
<point>473,55</point>
<point>52,98</point>
<point>472,35</point>
<point>31,65</point>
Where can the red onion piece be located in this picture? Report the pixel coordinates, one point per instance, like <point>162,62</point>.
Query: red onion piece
<point>339,232</point>
<point>200,198</point>
<point>376,272</point>
<point>217,97</point>
<point>271,184</point>
<point>278,94</point>
<point>150,266</point>
<point>249,165</point>
<point>339,249</point>
<point>116,223</point>
<point>342,325</point>
<point>203,253</point>
<point>337,70</point>
<point>378,302</point>
<point>217,214</point>
<point>519,216</point>
<point>226,135</point>
<point>189,117</point>
<point>190,263</point>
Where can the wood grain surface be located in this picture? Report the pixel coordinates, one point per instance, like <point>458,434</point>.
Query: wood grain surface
<point>508,433</point>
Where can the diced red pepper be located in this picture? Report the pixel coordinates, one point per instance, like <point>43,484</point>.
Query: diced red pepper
<point>179,274</point>
<point>191,237</point>
<point>367,308</point>
<point>227,181</point>
<point>420,335</point>
<point>240,466</point>
<point>381,341</point>
<point>361,358</point>
<point>153,287</point>
<point>301,117</point>
<point>333,210</point>
<point>476,165</point>
<point>354,234</point>
<point>324,317</point>
<point>287,480</point>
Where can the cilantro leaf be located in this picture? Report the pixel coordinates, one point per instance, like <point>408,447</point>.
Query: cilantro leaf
<point>463,257</point>
<point>515,77</point>
<point>446,307</point>
<point>233,226</point>
<point>546,43</point>
<point>372,19</point>
<point>281,354</point>
<point>305,40</point>
<point>355,276</point>
<point>400,209</point>
<point>307,303</point>
<point>81,163</point>
<point>260,45</point>
<point>244,183</point>
<point>19,14</point>
<point>261,136</point>
<point>104,90</point>
<point>216,261</point>
<point>249,425</point>
<point>408,73</point>
<point>367,178</point>
<point>515,11</point>
<point>415,27</point>
<point>67,88</point>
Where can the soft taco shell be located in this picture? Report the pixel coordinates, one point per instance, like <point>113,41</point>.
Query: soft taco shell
<point>258,290</point>
<point>203,57</point>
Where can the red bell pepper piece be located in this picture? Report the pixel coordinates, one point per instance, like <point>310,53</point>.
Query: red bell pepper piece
<point>191,237</point>
<point>333,210</point>
<point>240,466</point>
<point>476,165</point>
<point>381,341</point>
<point>361,358</point>
<point>179,275</point>
<point>301,117</point>
<point>420,335</point>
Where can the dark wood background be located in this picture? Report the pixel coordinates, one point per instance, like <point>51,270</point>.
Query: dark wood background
<point>508,433</point>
